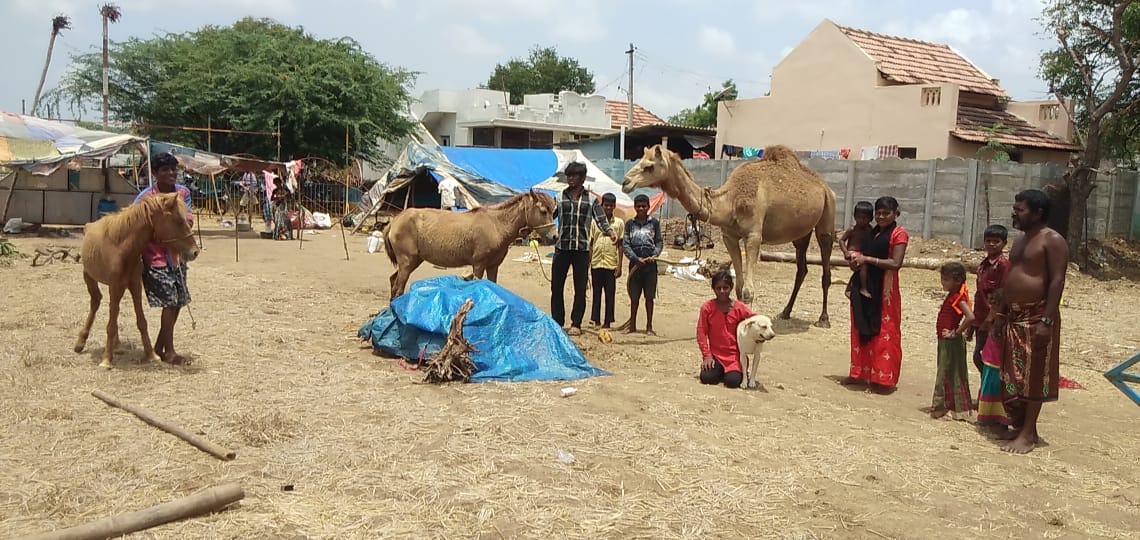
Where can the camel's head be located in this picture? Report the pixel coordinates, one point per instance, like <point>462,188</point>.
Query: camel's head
<point>651,171</point>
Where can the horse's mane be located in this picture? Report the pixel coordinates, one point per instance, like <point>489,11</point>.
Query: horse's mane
<point>121,224</point>
<point>513,201</point>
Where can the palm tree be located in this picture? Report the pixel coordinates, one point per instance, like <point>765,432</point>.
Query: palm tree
<point>59,23</point>
<point>110,12</point>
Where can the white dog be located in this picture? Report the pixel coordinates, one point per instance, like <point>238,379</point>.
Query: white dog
<point>751,334</point>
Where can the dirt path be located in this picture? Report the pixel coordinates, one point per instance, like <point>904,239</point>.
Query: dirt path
<point>369,453</point>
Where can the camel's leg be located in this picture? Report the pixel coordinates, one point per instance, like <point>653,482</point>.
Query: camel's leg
<point>95,296</point>
<point>112,325</point>
<point>801,273</point>
<point>493,273</point>
<point>824,238</point>
<point>732,244</point>
<point>136,289</point>
<point>478,271</point>
<point>752,255</point>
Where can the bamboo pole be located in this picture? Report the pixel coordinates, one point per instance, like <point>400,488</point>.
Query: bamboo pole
<point>148,417</point>
<point>203,502</point>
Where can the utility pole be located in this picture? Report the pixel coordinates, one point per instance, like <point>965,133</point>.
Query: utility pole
<point>629,121</point>
<point>106,71</point>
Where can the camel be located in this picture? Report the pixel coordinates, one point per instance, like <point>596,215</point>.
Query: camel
<point>479,237</point>
<point>773,200</point>
<point>112,255</point>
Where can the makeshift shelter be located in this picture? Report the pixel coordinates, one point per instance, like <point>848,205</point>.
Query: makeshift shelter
<point>42,175</point>
<point>485,176</point>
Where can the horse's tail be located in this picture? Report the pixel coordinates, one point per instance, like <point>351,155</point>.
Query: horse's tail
<point>388,245</point>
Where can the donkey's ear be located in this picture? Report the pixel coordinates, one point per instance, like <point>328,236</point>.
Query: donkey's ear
<point>657,151</point>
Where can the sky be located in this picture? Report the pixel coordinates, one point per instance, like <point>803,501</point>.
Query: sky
<point>684,48</point>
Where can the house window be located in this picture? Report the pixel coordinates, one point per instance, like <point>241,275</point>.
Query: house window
<point>931,97</point>
<point>908,153</point>
<point>483,137</point>
<point>1049,112</point>
<point>445,140</point>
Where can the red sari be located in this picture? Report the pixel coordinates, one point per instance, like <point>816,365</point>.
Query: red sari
<point>880,359</point>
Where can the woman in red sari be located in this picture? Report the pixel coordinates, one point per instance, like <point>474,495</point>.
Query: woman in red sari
<point>876,336</point>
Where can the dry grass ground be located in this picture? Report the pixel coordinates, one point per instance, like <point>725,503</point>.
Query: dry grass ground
<point>334,442</point>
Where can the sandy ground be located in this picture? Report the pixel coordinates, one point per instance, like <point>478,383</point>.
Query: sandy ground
<point>334,442</point>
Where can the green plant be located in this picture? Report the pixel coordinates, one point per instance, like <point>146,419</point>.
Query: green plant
<point>994,149</point>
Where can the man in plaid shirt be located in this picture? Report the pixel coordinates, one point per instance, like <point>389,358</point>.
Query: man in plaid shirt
<point>576,207</point>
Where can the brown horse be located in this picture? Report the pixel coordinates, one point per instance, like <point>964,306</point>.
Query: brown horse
<point>479,237</point>
<point>112,254</point>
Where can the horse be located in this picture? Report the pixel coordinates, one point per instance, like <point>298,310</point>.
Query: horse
<point>479,237</point>
<point>111,253</point>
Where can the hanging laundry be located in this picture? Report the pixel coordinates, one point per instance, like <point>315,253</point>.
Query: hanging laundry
<point>889,151</point>
<point>870,152</point>
<point>824,154</point>
<point>845,153</point>
<point>697,154</point>
<point>728,151</point>
<point>803,154</point>
<point>751,152</point>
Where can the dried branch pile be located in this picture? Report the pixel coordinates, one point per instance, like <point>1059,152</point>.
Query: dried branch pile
<point>453,361</point>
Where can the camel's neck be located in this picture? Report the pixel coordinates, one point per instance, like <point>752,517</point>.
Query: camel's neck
<point>709,205</point>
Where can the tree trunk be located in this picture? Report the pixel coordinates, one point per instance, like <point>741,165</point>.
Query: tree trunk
<point>1080,184</point>
<point>43,74</point>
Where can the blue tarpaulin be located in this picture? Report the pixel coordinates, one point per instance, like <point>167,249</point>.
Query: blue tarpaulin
<point>517,169</point>
<point>516,340</point>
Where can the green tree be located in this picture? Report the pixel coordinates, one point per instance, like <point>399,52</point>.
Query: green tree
<point>1095,65</point>
<point>704,115</point>
<point>252,76</point>
<point>541,72</point>
<point>994,149</point>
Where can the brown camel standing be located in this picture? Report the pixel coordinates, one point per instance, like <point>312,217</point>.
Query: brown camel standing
<point>773,200</point>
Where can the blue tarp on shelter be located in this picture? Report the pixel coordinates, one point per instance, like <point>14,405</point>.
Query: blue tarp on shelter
<point>517,169</point>
<point>516,341</point>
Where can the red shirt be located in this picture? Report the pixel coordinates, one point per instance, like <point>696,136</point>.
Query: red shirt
<point>991,277</point>
<point>950,315</point>
<point>716,332</point>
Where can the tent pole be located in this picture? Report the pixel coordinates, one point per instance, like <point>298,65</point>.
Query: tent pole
<point>8,200</point>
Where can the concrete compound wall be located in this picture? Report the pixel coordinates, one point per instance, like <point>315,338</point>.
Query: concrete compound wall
<point>948,199</point>
<point>64,197</point>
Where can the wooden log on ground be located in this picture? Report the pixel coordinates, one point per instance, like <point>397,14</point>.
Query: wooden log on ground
<point>203,502</point>
<point>165,425</point>
<point>926,263</point>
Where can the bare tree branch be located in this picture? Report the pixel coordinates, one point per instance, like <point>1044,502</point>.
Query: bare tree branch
<point>1127,67</point>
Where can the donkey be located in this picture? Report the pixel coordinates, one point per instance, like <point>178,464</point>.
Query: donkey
<point>480,237</point>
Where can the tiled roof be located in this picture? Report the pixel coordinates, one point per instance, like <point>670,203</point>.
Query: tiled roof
<point>619,114</point>
<point>909,61</point>
<point>973,121</point>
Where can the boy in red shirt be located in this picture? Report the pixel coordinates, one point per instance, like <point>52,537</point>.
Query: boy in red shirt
<point>991,277</point>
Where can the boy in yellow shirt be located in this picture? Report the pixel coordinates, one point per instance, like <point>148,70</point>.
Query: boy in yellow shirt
<point>605,263</point>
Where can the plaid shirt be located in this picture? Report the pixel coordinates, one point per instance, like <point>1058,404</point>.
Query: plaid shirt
<point>574,217</point>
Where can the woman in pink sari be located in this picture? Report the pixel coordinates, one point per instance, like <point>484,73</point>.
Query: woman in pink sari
<point>876,336</point>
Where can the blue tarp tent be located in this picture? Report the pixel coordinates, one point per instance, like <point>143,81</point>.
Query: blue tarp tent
<point>519,170</point>
<point>516,340</point>
<point>485,175</point>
